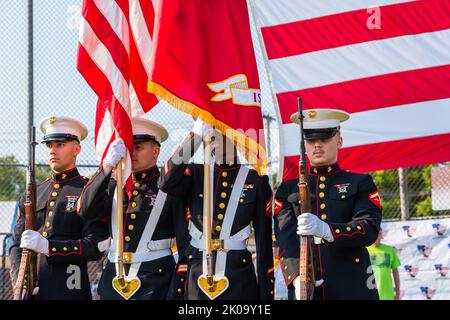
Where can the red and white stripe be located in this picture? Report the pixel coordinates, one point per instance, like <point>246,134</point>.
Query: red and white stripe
<point>395,81</point>
<point>114,52</point>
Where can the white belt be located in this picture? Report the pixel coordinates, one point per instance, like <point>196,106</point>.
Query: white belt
<point>235,242</point>
<point>136,257</point>
<point>155,249</point>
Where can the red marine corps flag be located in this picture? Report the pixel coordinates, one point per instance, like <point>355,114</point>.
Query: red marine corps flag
<point>203,63</point>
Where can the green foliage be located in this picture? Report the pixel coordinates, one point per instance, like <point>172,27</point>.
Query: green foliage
<point>13,178</point>
<point>419,192</point>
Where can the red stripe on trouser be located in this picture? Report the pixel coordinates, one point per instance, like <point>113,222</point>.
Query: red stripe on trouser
<point>348,28</point>
<point>385,155</point>
<point>372,93</point>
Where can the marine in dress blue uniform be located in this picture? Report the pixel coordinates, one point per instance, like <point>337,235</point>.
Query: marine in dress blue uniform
<point>254,210</point>
<point>345,217</point>
<point>160,275</point>
<point>64,241</point>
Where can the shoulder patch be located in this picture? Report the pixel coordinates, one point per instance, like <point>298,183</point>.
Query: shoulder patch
<point>278,206</point>
<point>375,198</point>
<point>269,207</point>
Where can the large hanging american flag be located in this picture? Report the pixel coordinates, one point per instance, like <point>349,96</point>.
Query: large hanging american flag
<point>387,62</point>
<point>115,44</point>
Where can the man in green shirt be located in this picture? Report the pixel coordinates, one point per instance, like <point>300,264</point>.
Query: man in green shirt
<point>384,259</point>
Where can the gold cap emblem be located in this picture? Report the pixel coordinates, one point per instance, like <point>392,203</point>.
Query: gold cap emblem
<point>312,114</point>
<point>52,120</point>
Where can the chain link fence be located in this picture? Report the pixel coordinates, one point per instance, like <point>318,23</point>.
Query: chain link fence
<point>412,193</point>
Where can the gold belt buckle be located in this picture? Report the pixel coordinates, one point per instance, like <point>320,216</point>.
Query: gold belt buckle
<point>217,245</point>
<point>127,257</point>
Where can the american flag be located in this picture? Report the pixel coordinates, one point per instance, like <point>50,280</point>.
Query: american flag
<point>386,62</point>
<point>114,53</point>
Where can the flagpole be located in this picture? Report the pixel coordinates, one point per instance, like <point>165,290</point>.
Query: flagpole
<point>119,235</point>
<point>251,7</point>
<point>207,211</point>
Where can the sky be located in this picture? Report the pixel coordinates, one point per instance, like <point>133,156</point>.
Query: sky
<point>58,87</point>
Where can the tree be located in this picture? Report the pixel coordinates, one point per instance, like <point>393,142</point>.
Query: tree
<point>13,178</point>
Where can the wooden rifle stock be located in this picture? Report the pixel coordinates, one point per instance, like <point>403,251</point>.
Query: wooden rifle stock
<point>307,276</point>
<point>27,275</point>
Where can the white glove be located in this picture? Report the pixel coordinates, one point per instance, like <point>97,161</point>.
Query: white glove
<point>201,128</point>
<point>297,286</point>
<point>310,225</point>
<point>116,151</point>
<point>33,240</point>
<point>104,245</point>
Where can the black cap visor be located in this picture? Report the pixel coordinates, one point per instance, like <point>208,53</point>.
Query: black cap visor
<point>59,137</point>
<point>144,137</point>
<point>323,133</point>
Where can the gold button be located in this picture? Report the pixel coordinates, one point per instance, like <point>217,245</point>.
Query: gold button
<point>160,270</point>
<point>68,209</point>
<point>52,203</point>
<point>75,248</point>
<point>357,260</point>
<point>271,291</point>
<point>323,178</point>
<point>244,261</point>
<point>47,224</point>
<point>65,249</point>
<point>134,204</point>
<point>182,279</point>
<point>322,186</point>
<point>343,196</point>
<point>54,194</point>
<point>282,258</point>
<point>53,249</point>
<point>179,290</point>
<point>348,229</point>
<point>143,175</point>
<point>56,186</point>
<point>64,176</point>
<point>315,170</point>
<point>218,228</point>
<point>271,280</point>
<point>223,195</point>
<point>289,277</point>
<point>358,227</point>
<point>285,267</point>
<point>225,184</point>
<point>329,169</point>
<point>241,200</point>
<point>50,213</point>
<point>322,206</point>
<point>133,216</point>
<point>45,234</point>
<point>323,217</point>
<point>127,238</point>
<point>338,231</point>
<point>135,193</point>
<point>321,195</point>
<point>221,205</point>
<point>220,216</point>
<point>201,195</point>
<point>224,174</point>
<point>190,257</point>
<point>130,227</point>
<point>137,184</point>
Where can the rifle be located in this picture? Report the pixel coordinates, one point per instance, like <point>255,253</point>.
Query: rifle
<point>27,276</point>
<point>307,276</point>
